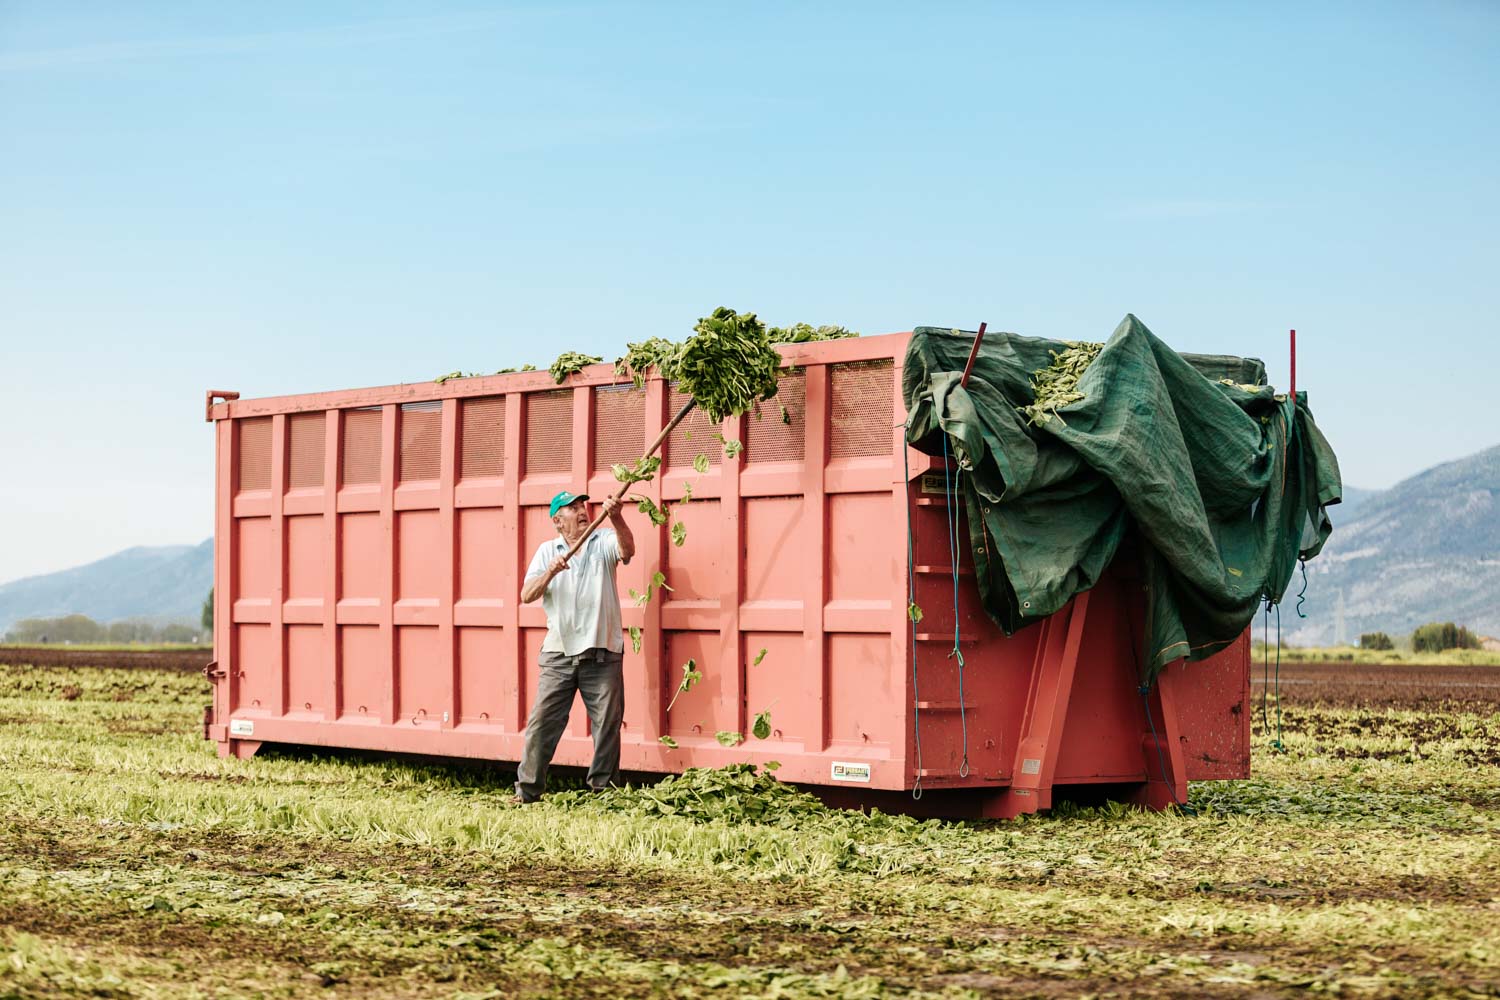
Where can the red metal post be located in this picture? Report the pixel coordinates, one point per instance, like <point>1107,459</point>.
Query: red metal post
<point>1294,366</point>
<point>973,353</point>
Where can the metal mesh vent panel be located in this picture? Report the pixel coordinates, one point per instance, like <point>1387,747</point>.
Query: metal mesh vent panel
<point>549,431</point>
<point>255,454</point>
<point>693,437</point>
<point>483,441</point>
<point>421,431</point>
<point>861,395</point>
<point>772,439</point>
<point>361,459</point>
<point>307,451</point>
<point>619,425</point>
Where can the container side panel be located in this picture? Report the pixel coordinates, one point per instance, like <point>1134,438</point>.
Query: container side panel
<point>692,568</point>
<point>701,711</point>
<point>1213,709</point>
<point>780,684</point>
<point>536,528</point>
<point>421,431</point>
<point>255,569</point>
<point>619,425</point>
<point>487,684</point>
<point>361,458</point>
<point>419,548</point>
<point>860,697</point>
<point>421,688</point>
<point>481,538</point>
<point>361,566</point>
<point>306,686</point>
<point>305,555</point>
<point>691,438</point>
<point>549,431</point>
<point>254,651</point>
<point>774,556</point>
<point>482,442</point>
<point>1101,735</point>
<point>778,436</point>
<point>305,457</point>
<point>861,394</point>
<point>255,454</point>
<point>364,672</point>
<point>863,567</point>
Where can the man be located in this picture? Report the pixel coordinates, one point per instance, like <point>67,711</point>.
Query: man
<point>585,645</point>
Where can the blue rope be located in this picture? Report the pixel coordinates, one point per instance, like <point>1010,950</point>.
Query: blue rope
<point>951,516</point>
<point>911,626</point>
<point>1276,744</point>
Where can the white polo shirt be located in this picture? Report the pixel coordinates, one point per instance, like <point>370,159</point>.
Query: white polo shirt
<point>583,601</point>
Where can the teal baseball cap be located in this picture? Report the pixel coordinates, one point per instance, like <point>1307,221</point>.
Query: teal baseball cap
<point>563,499</point>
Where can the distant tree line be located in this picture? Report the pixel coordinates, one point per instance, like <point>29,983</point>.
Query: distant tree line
<point>83,629</point>
<point>1434,637</point>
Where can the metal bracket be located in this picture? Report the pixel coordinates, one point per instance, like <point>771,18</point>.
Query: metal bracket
<point>208,401</point>
<point>212,671</point>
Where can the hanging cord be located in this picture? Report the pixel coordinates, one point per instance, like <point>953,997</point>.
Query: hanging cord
<point>1302,594</point>
<point>911,626</point>
<point>1276,744</point>
<point>951,515</point>
<point>1265,664</point>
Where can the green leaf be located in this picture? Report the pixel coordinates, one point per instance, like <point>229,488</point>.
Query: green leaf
<point>679,533</point>
<point>667,742</point>
<point>762,727</point>
<point>659,579</point>
<point>635,639</point>
<point>758,657</point>
<point>687,492</point>
<point>732,448</point>
<point>700,464</point>
<point>786,415</point>
<point>729,739</point>
<point>772,765</point>
<point>914,612</point>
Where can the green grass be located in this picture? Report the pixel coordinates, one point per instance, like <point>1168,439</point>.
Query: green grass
<point>1353,654</point>
<point>134,862</point>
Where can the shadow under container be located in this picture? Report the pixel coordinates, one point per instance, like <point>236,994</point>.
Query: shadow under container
<point>370,546</point>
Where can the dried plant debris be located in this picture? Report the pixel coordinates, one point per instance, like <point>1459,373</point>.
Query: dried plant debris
<point>1056,385</point>
<point>463,374</point>
<point>570,362</point>
<point>657,352</point>
<point>802,333</point>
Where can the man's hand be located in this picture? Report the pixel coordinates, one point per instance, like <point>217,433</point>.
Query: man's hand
<point>622,530</point>
<point>558,565</point>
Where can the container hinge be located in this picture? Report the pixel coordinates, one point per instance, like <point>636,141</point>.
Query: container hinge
<point>212,671</point>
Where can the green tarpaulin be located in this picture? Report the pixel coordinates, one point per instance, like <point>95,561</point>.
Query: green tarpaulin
<point>1223,482</point>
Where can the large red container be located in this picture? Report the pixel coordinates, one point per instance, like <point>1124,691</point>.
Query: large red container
<point>370,545</point>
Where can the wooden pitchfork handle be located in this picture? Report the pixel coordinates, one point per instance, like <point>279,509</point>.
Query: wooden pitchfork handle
<point>625,487</point>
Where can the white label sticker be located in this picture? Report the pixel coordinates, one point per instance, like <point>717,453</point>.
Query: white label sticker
<point>845,771</point>
<point>241,727</point>
<point>1031,765</point>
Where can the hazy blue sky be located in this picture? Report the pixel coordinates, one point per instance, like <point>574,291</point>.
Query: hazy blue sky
<point>288,197</point>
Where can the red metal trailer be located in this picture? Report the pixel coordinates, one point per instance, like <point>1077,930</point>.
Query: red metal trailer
<point>370,545</point>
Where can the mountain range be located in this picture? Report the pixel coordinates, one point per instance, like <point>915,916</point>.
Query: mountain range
<point>1427,549</point>
<point>159,583</point>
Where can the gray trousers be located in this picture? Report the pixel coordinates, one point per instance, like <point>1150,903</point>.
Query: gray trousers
<point>597,674</point>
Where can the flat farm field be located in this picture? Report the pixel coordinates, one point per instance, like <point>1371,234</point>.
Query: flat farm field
<point>1362,861</point>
